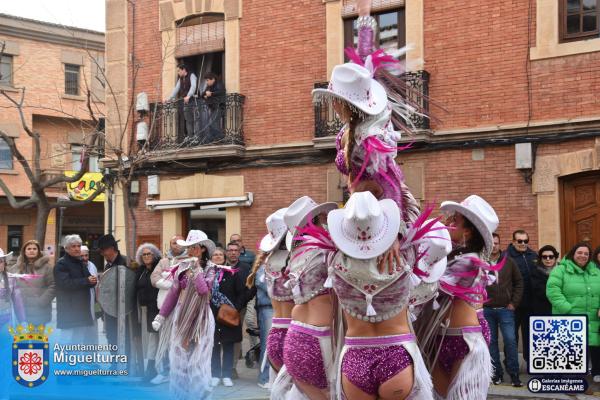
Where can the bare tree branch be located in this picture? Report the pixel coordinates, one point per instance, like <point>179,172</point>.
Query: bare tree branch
<point>20,158</point>
<point>13,201</point>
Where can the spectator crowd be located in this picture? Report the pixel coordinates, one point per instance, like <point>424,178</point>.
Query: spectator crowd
<point>540,284</point>
<point>531,283</point>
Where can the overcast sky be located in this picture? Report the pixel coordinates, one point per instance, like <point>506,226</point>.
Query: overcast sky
<point>88,14</point>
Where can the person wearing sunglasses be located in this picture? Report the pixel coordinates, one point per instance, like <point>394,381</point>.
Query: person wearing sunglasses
<point>147,257</point>
<point>526,259</point>
<point>547,260</point>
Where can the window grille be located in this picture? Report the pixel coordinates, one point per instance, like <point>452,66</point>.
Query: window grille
<point>72,79</point>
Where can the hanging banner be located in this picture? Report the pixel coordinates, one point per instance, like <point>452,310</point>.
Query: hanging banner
<point>82,189</point>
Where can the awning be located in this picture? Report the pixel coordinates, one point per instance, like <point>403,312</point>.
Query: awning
<point>202,204</point>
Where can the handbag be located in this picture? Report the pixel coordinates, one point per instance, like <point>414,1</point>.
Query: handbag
<point>228,316</point>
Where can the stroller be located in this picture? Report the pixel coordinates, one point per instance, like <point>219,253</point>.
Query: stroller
<point>253,355</point>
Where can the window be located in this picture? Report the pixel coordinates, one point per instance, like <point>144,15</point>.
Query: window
<point>15,239</point>
<point>72,79</point>
<point>579,19</point>
<point>77,157</point>
<point>391,34</point>
<point>6,70</point>
<point>6,161</point>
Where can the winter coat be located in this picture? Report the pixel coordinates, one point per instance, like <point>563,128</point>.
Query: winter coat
<point>540,305</point>
<point>526,262</point>
<point>247,257</point>
<point>37,293</point>
<point>72,293</point>
<point>507,289</point>
<point>574,290</point>
<point>146,294</point>
<point>233,286</point>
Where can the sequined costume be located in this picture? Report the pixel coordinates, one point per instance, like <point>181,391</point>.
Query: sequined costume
<point>485,327</point>
<point>308,354</point>
<point>191,331</point>
<point>277,277</point>
<point>308,351</point>
<point>276,339</point>
<point>465,278</point>
<point>371,361</point>
<point>366,294</point>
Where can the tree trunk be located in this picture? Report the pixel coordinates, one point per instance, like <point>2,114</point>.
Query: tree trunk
<point>129,232</point>
<point>41,222</point>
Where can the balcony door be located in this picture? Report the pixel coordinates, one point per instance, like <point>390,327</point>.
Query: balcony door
<point>202,64</point>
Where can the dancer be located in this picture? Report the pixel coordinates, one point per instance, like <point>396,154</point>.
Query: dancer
<point>450,333</point>
<point>279,292</point>
<point>371,97</point>
<point>380,358</point>
<point>193,323</point>
<point>308,352</point>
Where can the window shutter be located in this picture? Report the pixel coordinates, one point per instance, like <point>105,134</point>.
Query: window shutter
<point>199,39</point>
<point>349,6</point>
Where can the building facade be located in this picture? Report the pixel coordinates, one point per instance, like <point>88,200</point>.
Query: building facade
<point>55,65</point>
<point>512,88</point>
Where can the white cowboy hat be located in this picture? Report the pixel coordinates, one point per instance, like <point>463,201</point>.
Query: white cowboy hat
<point>353,83</point>
<point>277,230</point>
<point>480,213</point>
<point>365,227</point>
<point>436,246</point>
<point>198,237</point>
<point>2,255</point>
<point>301,210</point>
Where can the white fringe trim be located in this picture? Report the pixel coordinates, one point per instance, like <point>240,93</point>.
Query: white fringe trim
<point>422,385</point>
<point>472,380</point>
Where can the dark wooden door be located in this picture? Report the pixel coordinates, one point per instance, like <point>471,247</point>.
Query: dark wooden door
<point>581,211</point>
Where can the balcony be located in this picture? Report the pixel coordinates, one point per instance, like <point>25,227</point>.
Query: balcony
<point>179,127</point>
<point>327,124</point>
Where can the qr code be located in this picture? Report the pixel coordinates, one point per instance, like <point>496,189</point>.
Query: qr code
<point>558,345</point>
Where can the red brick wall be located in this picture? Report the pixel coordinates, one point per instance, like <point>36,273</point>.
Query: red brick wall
<point>477,54</point>
<point>148,222</point>
<point>146,38</point>
<point>282,55</point>
<point>275,188</point>
<point>494,178</point>
<point>453,175</point>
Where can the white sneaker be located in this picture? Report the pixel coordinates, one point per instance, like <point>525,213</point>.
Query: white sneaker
<point>265,385</point>
<point>597,378</point>
<point>159,379</point>
<point>227,382</point>
<point>215,381</point>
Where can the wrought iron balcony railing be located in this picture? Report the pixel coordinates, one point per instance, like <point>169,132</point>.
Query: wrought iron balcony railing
<point>200,122</point>
<point>328,124</point>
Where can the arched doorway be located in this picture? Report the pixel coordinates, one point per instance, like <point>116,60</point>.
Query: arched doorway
<point>580,209</point>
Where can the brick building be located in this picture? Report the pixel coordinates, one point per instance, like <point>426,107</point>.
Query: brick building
<point>54,65</point>
<point>517,82</point>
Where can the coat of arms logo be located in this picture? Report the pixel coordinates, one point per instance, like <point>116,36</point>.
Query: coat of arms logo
<point>30,354</point>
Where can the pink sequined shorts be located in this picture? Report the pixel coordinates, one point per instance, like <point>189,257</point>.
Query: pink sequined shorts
<point>485,327</point>
<point>454,348</point>
<point>370,361</point>
<point>275,340</point>
<point>303,355</point>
